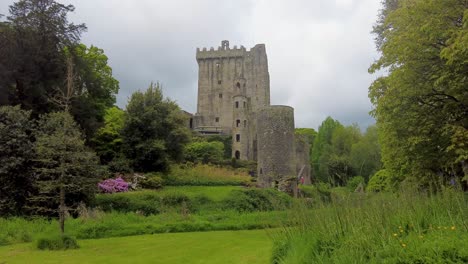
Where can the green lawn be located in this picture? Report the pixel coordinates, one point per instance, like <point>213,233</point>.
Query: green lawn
<point>200,247</point>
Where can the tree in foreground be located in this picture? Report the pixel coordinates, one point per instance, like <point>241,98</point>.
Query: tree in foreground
<point>421,105</point>
<point>154,131</point>
<point>67,171</point>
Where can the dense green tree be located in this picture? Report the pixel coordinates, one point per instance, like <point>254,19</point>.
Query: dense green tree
<point>33,62</point>
<point>154,131</point>
<point>365,154</point>
<point>67,171</point>
<point>322,148</point>
<point>37,40</point>
<point>204,152</point>
<point>16,154</point>
<point>107,141</point>
<point>95,87</point>
<point>421,104</point>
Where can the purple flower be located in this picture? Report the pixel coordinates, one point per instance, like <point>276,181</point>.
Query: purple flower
<point>113,185</point>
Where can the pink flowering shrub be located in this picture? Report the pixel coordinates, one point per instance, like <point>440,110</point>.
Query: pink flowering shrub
<point>113,185</point>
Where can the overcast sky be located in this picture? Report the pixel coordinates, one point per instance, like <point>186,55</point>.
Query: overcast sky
<point>318,50</point>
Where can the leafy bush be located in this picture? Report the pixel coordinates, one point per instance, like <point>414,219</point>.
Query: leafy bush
<point>319,192</point>
<point>204,152</point>
<point>113,185</point>
<point>354,182</point>
<point>381,181</point>
<point>57,243</point>
<point>122,202</point>
<point>251,200</point>
<point>205,175</point>
<point>152,181</point>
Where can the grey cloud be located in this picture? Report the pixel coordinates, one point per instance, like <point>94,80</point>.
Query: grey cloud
<point>318,51</point>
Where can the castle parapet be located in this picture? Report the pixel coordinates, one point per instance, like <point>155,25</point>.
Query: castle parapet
<point>223,51</point>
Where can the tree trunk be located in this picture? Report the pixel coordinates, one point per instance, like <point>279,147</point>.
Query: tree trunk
<point>62,210</point>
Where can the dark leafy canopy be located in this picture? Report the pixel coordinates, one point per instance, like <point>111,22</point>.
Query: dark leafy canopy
<point>16,153</point>
<point>154,131</point>
<point>32,61</point>
<point>421,105</point>
<point>36,41</point>
<point>62,161</point>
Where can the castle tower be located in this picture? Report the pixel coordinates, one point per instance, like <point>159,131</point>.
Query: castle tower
<point>232,84</point>
<point>276,149</point>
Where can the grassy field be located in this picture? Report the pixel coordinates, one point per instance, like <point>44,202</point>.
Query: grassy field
<point>200,247</point>
<point>215,193</point>
<point>404,227</point>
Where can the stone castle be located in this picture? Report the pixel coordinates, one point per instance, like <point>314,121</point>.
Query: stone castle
<point>234,100</point>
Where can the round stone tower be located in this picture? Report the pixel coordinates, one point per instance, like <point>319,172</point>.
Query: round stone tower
<point>275,145</point>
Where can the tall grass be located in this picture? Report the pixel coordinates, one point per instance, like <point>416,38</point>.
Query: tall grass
<point>205,175</point>
<point>407,227</point>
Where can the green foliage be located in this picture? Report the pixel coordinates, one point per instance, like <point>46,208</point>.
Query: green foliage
<point>365,155</point>
<point>227,142</point>
<point>420,105</point>
<point>354,182</point>
<point>63,161</point>
<point>204,152</point>
<point>408,227</point>
<point>152,182</point>
<point>16,153</point>
<point>95,88</point>
<point>107,141</point>
<point>251,200</point>
<point>154,131</point>
<point>32,60</point>
<point>321,151</point>
<point>61,242</point>
<point>383,180</point>
<point>205,175</point>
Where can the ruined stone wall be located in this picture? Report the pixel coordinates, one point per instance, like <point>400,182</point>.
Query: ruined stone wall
<point>275,142</point>
<point>302,146</point>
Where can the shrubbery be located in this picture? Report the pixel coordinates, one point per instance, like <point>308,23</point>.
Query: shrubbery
<point>205,175</point>
<point>251,200</point>
<point>113,185</point>
<point>152,181</point>
<point>381,181</point>
<point>354,182</point>
<point>57,243</point>
<point>204,152</point>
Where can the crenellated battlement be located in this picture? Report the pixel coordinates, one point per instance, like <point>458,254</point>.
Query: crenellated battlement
<point>224,51</point>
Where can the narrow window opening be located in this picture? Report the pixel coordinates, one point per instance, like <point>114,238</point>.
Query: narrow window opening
<point>237,123</point>
<point>238,85</point>
<point>245,123</point>
<point>244,85</point>
<point>237,137</point>
<point>261,171</point>
<point>237,104</point>
<point>217,119</point>
<point>220,95</point>
<point>237,154</point>
<point>219,81</point>
<point>245,105</point>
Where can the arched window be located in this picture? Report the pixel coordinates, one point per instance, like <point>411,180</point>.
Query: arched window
<point>238,84</point>
<point>237,154</point>
<point>237,137</point>
<point>237,123</point>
